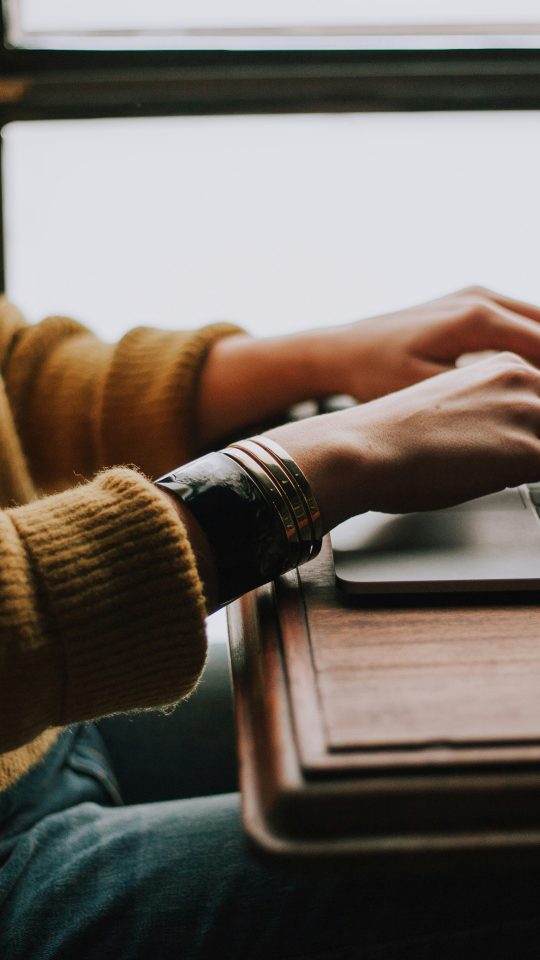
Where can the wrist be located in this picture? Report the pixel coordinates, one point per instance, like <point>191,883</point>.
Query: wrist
<point>247,380</point>
<point>338,466</point>
<point>328,361</point>
<point>255,508</point>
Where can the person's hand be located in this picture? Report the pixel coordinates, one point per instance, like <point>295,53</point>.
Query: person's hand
<point>246,380</point>
<point>374,357</point>
<point>456,436</point>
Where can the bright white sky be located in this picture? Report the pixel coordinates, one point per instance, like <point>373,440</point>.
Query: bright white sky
<point>141,14</point>
<point>277,222</point>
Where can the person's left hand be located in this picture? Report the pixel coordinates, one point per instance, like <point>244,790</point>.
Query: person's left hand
<point>246,380</point>
<point>371,358</point>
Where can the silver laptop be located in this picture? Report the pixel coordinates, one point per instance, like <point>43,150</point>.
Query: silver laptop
<point>488,544</point>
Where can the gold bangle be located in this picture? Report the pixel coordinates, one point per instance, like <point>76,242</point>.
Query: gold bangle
<point>270,490</point>
<point>290,491</point>
<point>244,530</point>
<point>286,483</point>
<point>301,481</point>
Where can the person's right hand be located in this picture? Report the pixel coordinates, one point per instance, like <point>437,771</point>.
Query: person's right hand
<point>453,437</point>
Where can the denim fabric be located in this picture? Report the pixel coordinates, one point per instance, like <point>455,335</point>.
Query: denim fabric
<point>85,875</point>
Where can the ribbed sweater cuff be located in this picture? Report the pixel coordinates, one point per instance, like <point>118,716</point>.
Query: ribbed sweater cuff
<point>149,397</point>
<point>119,594</point>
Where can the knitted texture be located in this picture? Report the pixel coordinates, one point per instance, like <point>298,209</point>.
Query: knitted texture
<point>15,481</point>
<point>15,763</point>
<point>81,404</point>
<point>101,607</point>
<point>149,393</point>
<point>115,607</point>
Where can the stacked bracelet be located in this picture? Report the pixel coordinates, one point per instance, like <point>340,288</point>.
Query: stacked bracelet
<point>273,464</point>
<point>256,508</point>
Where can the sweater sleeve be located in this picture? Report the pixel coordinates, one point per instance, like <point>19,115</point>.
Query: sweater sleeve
<point>102,609</point>
<point>80,404</point>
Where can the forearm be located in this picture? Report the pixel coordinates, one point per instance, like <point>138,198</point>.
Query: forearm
<point>246,380</point>
<point>338,461</point>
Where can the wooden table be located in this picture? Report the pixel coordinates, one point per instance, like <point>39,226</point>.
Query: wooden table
<point>399,732</point>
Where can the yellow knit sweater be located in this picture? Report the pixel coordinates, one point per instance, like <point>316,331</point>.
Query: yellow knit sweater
<point>101,608</point>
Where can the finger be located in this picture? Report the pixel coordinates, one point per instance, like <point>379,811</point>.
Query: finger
<point>516,306</point>
<point>466,358</point>
<point>492,327</point>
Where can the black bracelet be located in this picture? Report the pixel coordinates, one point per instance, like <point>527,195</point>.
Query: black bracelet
<point>248,540</point>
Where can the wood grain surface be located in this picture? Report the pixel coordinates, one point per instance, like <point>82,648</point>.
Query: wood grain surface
<point>454,677</point>
<point>400,734</point>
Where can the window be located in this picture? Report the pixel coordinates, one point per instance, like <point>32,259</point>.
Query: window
<point>276,222</point>
<point>280,24</point>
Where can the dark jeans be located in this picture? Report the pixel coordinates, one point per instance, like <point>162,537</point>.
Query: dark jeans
<point>90,868</point>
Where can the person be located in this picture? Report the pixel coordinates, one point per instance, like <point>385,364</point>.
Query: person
<point>107,577</point>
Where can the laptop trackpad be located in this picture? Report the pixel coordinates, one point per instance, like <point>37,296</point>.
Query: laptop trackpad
<point>489,543</point>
